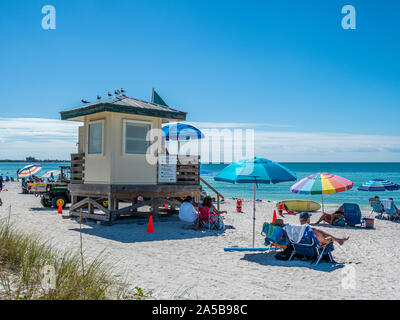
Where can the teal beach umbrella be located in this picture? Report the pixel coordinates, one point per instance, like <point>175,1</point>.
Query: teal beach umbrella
<point>255,171</point>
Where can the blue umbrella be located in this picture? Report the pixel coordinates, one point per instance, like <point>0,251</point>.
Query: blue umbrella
<point>255,170</point>
<point>379,185</point>
<point>181,132</point>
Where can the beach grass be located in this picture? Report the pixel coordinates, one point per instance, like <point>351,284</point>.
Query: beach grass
<point>32,269</point>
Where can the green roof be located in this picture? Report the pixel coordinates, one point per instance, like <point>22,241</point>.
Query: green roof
<point>125,104</point>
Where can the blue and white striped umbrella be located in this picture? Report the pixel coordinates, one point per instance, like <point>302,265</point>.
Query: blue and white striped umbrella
<point>379,185</point>
<point>181,132</point>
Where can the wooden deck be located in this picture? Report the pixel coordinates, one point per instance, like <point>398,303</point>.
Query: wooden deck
<point>85,198</point>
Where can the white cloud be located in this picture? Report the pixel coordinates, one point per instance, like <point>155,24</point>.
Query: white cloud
<point>36,127</point>
<point>291,146</point>
<point>302,146</point>
<point>38,137</point>
<point>56,139</point>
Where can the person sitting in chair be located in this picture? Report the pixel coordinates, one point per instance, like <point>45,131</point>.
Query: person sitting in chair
<point>323,237</point>
<point>331,218</point>
<point>188,214</point>
<point>397,209</point>
<point>209,212</point>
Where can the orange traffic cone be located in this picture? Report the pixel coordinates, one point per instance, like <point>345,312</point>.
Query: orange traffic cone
<point>60,208</point>
<point>150,225</point>
<point>274,217</point>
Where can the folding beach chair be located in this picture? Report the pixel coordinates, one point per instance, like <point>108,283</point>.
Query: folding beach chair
<point>352,214</point>
<point>309,246</point>
<point>377,207</point>
<point>275,236</point>
<point>390,209</point>
<point>210,220</point>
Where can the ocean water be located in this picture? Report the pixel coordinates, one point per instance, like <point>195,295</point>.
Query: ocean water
<point>356,172</point>
<point>10,168</point>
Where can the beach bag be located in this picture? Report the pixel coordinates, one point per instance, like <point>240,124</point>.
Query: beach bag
<point>285,254</point>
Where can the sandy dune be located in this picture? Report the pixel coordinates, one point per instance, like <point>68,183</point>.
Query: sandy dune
<point>179,263</point>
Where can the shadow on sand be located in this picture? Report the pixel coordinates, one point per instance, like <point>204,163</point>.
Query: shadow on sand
<point>45,209</point>
<point>130,233</point>
<point>268,259</point>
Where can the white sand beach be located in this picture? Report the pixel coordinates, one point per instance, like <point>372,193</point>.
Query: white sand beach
<point>176,263</point>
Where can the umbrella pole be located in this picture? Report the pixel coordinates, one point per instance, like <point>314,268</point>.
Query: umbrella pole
<point>254,213</point>
<point>322,197</point>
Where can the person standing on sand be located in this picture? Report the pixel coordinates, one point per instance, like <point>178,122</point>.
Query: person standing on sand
<point>323,237</point>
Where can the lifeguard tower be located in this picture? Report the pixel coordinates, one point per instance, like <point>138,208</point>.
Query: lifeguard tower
<point>110,166</point>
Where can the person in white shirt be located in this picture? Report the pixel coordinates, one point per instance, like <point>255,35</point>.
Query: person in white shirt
<point>188,214</point>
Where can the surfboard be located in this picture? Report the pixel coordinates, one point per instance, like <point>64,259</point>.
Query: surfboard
<point>301,205</point>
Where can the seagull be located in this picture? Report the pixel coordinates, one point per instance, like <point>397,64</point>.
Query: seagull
<point>109,94</point>
<point>98,97</point>
<point>117,92</point>
<point>122,90</point>
<point>85,101</point>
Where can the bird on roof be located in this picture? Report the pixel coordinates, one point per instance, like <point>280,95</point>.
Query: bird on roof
<point>98,97</point>
<point>122,90</point>
<point>109,94</point>
<point>85,101</point>
<point>117,92</point>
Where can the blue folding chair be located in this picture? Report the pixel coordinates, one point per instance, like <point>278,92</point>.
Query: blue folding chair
<point>392,211</point>
<point>309,246</point>
<point>352,214</point>
<point>377,207</point>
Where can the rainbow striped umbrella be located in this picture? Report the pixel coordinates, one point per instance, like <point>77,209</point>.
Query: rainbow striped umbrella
<point>379,185</point>
<point>321,183</point>
<point>28,171</point>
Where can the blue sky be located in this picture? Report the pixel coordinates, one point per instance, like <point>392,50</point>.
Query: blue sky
<point>286,64</point>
